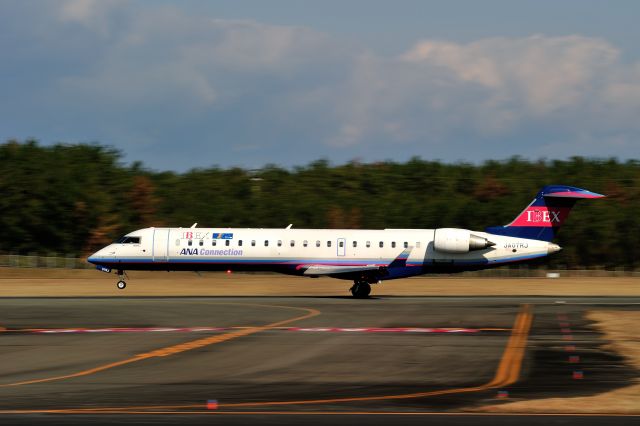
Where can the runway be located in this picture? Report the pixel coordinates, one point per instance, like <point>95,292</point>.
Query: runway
<point>240,360</point>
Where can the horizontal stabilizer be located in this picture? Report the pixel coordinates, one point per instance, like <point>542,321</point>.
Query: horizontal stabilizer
<point>569,192</point>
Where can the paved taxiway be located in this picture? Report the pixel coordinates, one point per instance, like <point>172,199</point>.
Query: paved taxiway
<point>383,357</point>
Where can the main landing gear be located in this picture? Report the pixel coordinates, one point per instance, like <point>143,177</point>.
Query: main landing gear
<point>121,283</point>
<point>361,289</point>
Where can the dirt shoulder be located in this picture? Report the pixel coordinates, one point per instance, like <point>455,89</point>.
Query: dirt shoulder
<point>65,282</point>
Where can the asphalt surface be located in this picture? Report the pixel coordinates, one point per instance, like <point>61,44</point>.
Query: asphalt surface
<point>306,359</point>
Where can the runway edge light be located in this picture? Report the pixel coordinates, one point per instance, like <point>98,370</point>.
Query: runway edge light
<point>212,404</point>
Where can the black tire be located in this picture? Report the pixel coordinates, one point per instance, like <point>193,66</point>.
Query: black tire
<point>121,285</point>
<point>361,290</point>
<point>366,289</point>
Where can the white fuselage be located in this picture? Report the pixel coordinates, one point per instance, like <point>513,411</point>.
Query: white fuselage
<point>294,250</point>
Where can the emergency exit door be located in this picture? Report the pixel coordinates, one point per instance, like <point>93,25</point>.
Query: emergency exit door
<point>341,246</point>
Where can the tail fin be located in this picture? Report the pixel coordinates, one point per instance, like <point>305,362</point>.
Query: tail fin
<point>542,219</point>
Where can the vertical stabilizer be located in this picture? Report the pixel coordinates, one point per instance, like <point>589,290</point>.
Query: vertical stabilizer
<point>542,219</point>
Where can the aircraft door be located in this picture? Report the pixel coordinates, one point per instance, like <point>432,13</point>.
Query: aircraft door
<point>160,251</point>
<point>341,246</point>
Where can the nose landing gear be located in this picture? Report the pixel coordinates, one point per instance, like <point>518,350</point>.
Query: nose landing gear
<point>121,283</point>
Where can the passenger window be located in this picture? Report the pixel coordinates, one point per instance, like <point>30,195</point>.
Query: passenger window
<point>293,243</point>
<point>304,243</point>
<point>279,243</point>
<point>253,243</point>
<point>355,244</point>
<point>341,244</point>
<point>213,242</point>
<point>381,244</point>
<point>227,242</point>
<point>201,243</point>
<point>239,243</point>
<point>368,244</point>
<point>406,244</point>
<point>318,243</point>
<point>190,243</point>
<point>393,244</point>
<point>328,243</point>
<point>266,243</point>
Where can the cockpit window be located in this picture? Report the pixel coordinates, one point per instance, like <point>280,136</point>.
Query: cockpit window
<point>128,240</point>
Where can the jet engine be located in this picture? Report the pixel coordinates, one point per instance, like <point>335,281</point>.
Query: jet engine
<point>454,240</point>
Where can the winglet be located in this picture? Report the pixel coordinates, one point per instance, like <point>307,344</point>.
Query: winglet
<point>401,260</point>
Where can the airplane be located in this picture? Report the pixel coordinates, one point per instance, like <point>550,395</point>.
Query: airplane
<point>363,256</point>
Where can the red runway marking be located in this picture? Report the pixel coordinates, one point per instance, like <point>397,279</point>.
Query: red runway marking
<point>385,330</point>
<point>217,329</point>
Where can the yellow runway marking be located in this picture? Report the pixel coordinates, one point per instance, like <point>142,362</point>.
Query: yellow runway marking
<point>507,373</point>
<point>175,349</point>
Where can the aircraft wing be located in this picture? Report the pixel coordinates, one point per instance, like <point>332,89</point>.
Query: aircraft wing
<point>399,261</point>
<point>337,270</point>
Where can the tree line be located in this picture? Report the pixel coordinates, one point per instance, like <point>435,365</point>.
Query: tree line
<point>76,198</point>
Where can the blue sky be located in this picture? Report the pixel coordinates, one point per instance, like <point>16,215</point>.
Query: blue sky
<point>189,84</point>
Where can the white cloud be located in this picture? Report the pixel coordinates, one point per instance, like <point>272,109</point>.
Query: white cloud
<point>542,73</point>
<point>491,88</point>
<point>252,47</point>
<point>92,14</point>
<point>292,85</point>
<point>163,53</point>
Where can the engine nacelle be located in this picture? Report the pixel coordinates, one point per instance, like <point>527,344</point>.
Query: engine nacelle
<point>454,240</point>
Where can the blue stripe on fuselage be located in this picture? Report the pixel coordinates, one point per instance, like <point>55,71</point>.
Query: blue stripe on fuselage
<point>114,262</point>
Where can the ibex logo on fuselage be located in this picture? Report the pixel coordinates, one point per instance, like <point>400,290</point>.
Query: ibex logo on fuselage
<point>548,216</point>
<point>542,217</point>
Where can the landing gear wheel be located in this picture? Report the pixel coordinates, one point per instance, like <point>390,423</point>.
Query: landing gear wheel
<point>121,276</point>
<point>361,290</point>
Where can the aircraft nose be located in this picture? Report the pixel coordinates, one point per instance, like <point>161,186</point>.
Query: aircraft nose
<point>94,257</point>
<point>553,248</point>
<point>97,256</point>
